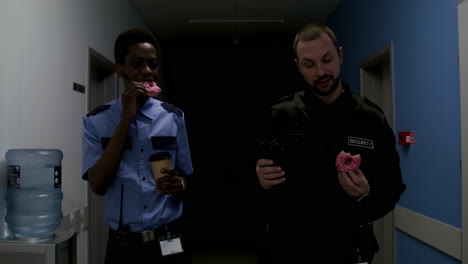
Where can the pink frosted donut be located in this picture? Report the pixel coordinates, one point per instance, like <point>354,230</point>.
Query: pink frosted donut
<point>152,88</point>
<point>346,162</point>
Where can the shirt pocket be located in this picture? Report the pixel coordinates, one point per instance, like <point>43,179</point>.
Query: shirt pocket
<point>164,143</point>
<point>292,138</point>
<point>294,143</point>
<point>127,146</point>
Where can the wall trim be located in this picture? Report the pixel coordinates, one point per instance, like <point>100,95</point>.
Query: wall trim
<point>439,235</point>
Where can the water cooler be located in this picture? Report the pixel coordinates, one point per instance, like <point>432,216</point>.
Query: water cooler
<point>34,210</point>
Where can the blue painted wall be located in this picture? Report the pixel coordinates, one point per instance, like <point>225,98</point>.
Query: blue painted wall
<point>411,251</point>
<point>427,97</point>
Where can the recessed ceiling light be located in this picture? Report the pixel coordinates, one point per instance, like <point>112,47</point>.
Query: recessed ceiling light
<point>214,21</point>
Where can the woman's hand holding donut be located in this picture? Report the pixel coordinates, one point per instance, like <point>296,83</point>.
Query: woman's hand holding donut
<point>130,99</point>
<point>269,175</point>
<point>354,183</point>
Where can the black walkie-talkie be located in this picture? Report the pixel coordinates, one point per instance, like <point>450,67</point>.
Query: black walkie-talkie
<point>122,231</point>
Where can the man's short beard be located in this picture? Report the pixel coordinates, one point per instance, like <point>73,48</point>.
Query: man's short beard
<point>320,92</point>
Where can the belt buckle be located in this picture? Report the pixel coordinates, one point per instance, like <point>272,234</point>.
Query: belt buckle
<point>148,235</point>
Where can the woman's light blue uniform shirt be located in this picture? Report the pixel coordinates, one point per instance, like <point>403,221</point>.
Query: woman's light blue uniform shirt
<point>157,127</point>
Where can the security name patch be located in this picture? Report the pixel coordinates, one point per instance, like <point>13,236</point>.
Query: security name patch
<point>360,142</point>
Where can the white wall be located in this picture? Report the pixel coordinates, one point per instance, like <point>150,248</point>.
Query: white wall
<point>43,50</point>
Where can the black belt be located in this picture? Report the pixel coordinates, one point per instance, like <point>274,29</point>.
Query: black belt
<point>148,235</point>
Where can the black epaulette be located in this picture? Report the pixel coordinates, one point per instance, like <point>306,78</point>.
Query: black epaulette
<point>372,104</point>
<point>171,108</point>
<point>284,98</point>
<point>97,110</point>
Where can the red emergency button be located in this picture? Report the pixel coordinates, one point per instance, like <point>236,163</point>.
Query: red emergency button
<point>407,138</point>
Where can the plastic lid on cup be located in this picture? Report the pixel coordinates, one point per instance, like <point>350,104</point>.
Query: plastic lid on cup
<point>160,156</point>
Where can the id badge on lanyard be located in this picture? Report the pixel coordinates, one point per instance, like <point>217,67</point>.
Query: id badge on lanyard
<point>170,244</point>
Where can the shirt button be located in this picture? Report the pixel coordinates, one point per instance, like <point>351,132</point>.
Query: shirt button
<point>141,150</point>
<point>144,178</point>
<point>144,207</point>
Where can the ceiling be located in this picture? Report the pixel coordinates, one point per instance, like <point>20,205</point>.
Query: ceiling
<point>230,18</point>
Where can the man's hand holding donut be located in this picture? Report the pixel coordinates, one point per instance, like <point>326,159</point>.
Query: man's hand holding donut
<point>354,183</point>
<point>351,178</point>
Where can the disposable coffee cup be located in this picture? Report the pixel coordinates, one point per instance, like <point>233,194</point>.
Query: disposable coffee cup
<point>159,161</point>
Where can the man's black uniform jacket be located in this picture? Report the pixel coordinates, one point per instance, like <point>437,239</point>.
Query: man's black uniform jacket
<point>309,216</point>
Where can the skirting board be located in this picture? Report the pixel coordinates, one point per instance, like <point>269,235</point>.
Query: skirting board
<point>444,237</point>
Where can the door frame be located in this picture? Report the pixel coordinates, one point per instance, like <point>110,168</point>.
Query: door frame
<point>463,64</point>
<point>376,83</point>
<point>103,86</point>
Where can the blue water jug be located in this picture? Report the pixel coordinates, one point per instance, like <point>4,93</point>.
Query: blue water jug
<point>34,192</point>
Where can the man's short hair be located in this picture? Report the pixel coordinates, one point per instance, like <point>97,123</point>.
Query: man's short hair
<point>313,31</point>
<point>129,38</point>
